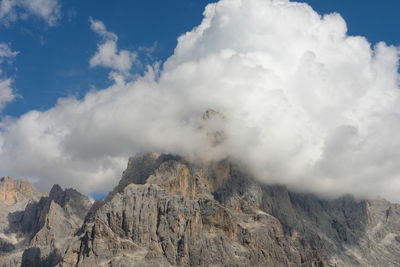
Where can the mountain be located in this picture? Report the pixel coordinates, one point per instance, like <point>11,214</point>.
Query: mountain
<point>36,227</point>
<point>15,195</point>
<point>169,211</point>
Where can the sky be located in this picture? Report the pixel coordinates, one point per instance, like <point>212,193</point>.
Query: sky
<point>69,68</point>
<point>50,64</point>
<point>53,59</point>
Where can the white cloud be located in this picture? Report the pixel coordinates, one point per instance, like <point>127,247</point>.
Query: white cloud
<point>108,54</point>
<point>6,52</point>
<point>6,91</point>
<point>306,105</point>
<point>98,27</point>
<point>12,10</point>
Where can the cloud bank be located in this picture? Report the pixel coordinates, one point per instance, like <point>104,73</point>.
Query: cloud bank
<point>306,105</point>
<point>12,10</point>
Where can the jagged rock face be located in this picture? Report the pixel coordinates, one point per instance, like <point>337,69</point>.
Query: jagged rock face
<point>173,219</point>
<point>44,228</point>
<point>55,217</point>
<point>167,211</point>
<point>15,195</point>
<point>13,191</point>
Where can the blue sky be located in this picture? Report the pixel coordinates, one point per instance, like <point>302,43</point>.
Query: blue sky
<point>53,61</point>
<point>74,104</point>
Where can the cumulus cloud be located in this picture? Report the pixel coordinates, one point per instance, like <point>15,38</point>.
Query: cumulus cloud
<point>6,52</point>
<point>305,105</point>
<point>12,10</point>
<point>6,91</point>
<point>108,55</point>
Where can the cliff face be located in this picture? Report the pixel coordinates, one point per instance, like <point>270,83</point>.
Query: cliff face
<point>13,191</point>
<point>167,211</point>
<point>15,195</point>
<point>36,233</point>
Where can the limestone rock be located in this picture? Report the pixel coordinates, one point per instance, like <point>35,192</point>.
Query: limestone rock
<point>13,191</point>
<point>167,211</point>
<point>44,227</point>
<point>15,195</point>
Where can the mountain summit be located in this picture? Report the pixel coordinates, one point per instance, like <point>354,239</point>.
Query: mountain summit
<point>168,211</point>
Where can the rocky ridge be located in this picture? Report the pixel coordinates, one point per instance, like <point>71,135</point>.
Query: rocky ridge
<point>15,195</point>
<point>168,211</point>
<point>38,227</point>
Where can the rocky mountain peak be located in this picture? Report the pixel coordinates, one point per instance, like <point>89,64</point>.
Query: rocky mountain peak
<point>169,211</point>
<point>17,190</point>
<point>210,113</point>
<point>56,192</point>
<point>71,200</point>
<point>6,179</point>
<point>35,233</point>
<point>213,124</point>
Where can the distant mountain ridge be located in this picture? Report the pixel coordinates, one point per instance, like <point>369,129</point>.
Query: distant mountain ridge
<point>168,211</point>
<point>35,227</point>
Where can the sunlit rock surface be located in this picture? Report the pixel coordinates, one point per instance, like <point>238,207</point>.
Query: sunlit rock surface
<point>168,211</point>
<point>35,228</point>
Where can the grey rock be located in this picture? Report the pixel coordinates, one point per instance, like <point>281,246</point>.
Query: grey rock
<point>15,196</point>
<point>177,213</point>
<point>44,228</point>
<point>168,211</point>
